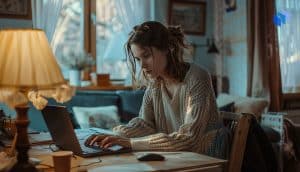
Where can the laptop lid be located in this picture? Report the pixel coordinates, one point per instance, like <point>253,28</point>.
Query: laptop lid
<point>58,121</point>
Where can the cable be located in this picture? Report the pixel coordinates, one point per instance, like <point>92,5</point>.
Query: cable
<point>84,165</point>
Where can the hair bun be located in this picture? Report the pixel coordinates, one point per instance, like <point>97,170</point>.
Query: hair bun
<point>176,32</point>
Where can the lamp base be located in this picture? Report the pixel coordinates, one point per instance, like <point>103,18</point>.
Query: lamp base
<point>22,143</point>
<point>19,167</point>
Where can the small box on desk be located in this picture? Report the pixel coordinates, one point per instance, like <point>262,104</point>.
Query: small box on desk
<point>103,80</point>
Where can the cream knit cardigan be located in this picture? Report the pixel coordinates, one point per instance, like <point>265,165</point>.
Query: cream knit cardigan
<point>185,122</point>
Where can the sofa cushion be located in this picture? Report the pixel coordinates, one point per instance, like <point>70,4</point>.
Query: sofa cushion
<point>131,102</point>
<point>82,99</point>
<point>102,116</point>
<point>252,105</point>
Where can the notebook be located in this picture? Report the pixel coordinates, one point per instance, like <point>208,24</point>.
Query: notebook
<point>59,123</point>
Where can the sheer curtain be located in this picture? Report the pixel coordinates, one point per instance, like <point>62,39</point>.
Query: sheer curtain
<point>129,14</point>
<point>45,14</point>
<point>133,12</point>
<point>289,43</point>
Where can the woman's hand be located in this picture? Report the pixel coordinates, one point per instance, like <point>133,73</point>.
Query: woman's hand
<point>106,141</point>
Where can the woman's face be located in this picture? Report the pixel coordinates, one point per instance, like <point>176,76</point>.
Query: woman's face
<point>153,61</point>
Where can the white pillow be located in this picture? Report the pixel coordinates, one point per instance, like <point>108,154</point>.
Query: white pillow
<point>102,116</point>
<point>252,105</point>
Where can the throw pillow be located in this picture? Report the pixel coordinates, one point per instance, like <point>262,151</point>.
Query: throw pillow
<point>131,102</point>
<point>102,117</point>
<point>252,105</point>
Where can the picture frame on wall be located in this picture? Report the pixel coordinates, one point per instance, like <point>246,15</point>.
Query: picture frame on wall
<point>190,15</point>
<point>15,9</point>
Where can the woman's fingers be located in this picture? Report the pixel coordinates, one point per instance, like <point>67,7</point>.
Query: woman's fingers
<point>107,140</point>
<point>94,138</point>
<point>88,140</point>
<point>109,145</point>
<point>115,140</point>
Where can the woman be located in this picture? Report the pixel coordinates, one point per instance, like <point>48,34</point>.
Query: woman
<point>179,110</point>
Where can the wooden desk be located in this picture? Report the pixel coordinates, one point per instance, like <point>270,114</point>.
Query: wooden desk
<point>175,161</point>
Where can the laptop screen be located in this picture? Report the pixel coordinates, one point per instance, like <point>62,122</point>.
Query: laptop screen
<point>58,121</point>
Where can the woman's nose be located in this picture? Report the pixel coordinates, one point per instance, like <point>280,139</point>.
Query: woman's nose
<point>143,64</point>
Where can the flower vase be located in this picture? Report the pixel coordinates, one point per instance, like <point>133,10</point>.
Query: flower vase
<point>75,77</point>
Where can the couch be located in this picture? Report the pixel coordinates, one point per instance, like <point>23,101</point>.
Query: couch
<point>126,102</point>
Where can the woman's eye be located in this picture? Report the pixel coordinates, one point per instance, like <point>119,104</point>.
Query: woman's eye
<point>137,59</point>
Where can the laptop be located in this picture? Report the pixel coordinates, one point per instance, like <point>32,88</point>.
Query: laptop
<point>59,123</point>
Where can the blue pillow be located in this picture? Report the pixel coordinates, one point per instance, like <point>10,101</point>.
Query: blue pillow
<point>131,102</point>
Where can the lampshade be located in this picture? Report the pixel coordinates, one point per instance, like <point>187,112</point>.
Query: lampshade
<point>28,72</point>
<point>28,69</point>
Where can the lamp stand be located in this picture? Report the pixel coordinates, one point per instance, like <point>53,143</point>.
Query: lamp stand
<point>22,144</point>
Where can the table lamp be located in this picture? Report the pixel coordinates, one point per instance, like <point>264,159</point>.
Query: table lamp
<point>28,72</point>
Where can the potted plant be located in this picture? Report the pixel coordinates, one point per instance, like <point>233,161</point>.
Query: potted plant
<point>76,61</point>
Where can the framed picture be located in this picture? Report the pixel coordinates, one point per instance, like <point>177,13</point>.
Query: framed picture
<point>18,9</point>
<point>190,15</point>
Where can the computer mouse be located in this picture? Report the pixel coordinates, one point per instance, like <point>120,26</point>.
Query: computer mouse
<point>151,157</point>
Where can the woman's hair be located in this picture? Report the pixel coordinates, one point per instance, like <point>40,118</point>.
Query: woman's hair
<point>155,34</point>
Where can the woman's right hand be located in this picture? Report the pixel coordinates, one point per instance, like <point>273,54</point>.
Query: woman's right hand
<point>106,141</point>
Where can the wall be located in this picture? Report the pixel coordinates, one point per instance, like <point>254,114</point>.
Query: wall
<point>201,57</point>
<point>11,23</point>
<point>235,60</point>
<point>235,37</point>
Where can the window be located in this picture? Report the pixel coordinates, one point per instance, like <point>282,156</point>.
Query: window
<point>99,27</point>
<point>110,40</point>
<point>69,34</point>
<point>288,12</point>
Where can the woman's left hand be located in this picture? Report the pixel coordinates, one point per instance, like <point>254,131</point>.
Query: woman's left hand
<point>106,141</point>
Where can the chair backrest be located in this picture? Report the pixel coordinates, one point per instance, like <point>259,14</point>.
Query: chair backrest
<point>239,124</point>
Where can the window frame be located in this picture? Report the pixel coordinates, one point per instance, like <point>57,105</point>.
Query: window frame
<point>90,30</point>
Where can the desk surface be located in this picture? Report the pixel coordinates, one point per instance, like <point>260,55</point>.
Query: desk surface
<point>127,162</point>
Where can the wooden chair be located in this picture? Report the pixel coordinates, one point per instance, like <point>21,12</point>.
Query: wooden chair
<point>239,124</point>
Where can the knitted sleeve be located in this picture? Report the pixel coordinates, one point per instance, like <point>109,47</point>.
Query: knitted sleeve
<point>142,125</point>
<point>201,108</point>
